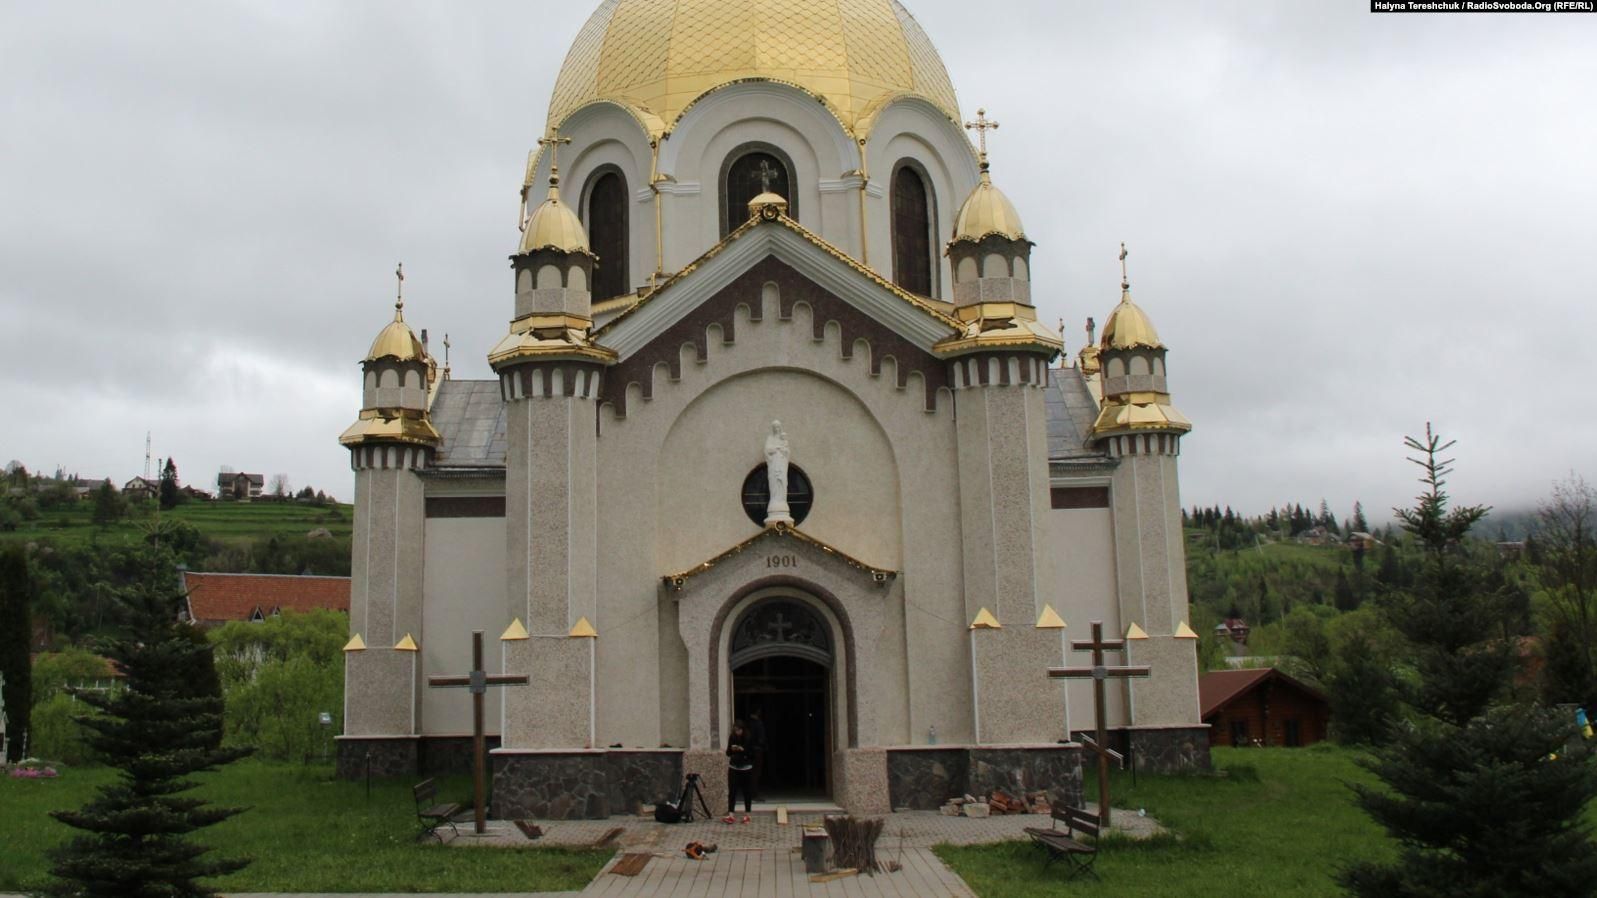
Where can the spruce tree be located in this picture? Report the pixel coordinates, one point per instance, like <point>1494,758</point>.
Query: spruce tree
<point>171,496</point>
<point>1481,795</point>
<point>16,628</point>
<point>160,729</point>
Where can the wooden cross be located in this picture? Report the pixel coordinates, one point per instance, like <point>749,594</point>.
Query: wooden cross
<point>478,682</point>
<point>767,175</point>
<point>1100,674</point>
<point>981,126</point>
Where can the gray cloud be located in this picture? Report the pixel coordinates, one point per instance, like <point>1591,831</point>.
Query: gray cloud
<point>1342,224</point>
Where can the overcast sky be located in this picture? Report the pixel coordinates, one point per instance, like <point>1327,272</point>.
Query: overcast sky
<point>1342,224</point>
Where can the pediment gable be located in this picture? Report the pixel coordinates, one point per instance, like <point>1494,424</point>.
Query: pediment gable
<point>836,291</point>
<point>780,539</point>
<point>916,320</point>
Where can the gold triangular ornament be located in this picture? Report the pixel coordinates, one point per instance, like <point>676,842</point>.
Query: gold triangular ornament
<point>1050,619</point>
<point>582,629</point>
<point>406,645</point>
<point>355,644</point>
<point>514,631</point>
<point>985,621</point>
<point>1136,632</point>
<point>1185,632</point>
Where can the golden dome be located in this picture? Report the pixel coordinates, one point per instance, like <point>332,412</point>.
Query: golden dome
<point>397,341</point>
<point>658,56</point>
<point>987,212</point>
<point>1129,327</point>
<point>554,225</point>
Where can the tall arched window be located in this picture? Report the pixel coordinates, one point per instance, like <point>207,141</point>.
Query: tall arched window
<point>607,233</point>
<point>912,232</point>
<point>744,177</point>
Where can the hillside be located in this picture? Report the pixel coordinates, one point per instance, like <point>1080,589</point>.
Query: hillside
<point>227,523</point>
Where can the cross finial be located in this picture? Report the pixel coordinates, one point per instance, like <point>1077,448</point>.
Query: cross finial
<point>1125,282</point>
<point>554,143</point>
<point>446,354</point>
<point>399,294</point>
<point>767,174</point>
<point>981,126</point>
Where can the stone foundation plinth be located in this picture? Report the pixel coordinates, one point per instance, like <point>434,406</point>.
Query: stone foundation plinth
<point>443,755</point>
<point>860,781</point>
<point>1167,749</point>
<point>582,785</point>
<point>380,757</point>
<point>922,778</point>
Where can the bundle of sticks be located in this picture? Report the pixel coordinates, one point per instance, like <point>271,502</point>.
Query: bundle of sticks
<point>854,842</point>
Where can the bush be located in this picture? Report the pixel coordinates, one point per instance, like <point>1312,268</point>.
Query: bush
<point>57,735</point>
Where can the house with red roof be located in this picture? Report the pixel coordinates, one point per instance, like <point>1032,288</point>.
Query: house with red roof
<point>214,599</point>
<point>1261,707</point>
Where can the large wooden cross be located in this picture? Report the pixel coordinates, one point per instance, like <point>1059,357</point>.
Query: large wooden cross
<point>478,682</point>
<point>1100,674</point>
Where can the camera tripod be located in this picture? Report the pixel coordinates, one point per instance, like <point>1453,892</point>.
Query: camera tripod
<point>691,790</point>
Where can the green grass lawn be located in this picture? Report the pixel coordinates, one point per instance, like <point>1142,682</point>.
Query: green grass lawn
<point>228,522</point>
<point>306,833</point>
<point>1280,825</point>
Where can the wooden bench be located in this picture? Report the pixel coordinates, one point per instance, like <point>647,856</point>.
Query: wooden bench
<point>1064,844</point>
<point>431,812</point>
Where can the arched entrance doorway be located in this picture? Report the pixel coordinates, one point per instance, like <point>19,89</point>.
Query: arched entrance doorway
<point>781,657</point>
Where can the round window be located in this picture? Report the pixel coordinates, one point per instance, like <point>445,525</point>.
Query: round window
<point>757,494</point>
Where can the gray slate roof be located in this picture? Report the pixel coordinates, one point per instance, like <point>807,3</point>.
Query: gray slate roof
<point>470,416</point>
<point>1071,411</point>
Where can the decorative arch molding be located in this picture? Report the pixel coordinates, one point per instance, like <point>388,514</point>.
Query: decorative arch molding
<point>718,110</point>
<point>779,626</point>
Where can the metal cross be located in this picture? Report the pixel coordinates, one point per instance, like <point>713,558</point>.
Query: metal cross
<point>778,627</point>
<point>981,126</point>
<point>554,153</point>
<point>1100,674</point>
<point>1125,282</point>
<point>478,681</point>
<point>399,295</point>
<point>767,175</point>
<point>446,352</point>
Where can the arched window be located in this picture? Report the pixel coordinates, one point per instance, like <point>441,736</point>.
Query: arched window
<point>912,232</point>
<point>744,177</point>
<point>607,233</point>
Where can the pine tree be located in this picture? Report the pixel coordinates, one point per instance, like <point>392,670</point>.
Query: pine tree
<point>108,505</point>
<point>170,495</point>
<point>1360,525</point>
<point>16,597</point>
<point>162,728</point>
<point>1481,796</point>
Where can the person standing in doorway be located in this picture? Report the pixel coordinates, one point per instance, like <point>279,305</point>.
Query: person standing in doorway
<point>740,771</point>
<point>757,738</point>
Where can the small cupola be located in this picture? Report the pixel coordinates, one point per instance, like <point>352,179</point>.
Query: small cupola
<point>1131,358</point>
<point>395,379</point>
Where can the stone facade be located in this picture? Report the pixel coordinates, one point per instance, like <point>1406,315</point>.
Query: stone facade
<point>449,754</point>
<point>379,758</point>
<point>587,785</point>
<point>924,778</point>
<point>1169,749</point>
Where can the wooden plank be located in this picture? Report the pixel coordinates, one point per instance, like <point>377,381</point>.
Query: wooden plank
<point>835,874</point>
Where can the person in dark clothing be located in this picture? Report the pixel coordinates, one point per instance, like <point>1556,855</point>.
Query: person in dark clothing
<point>740,771</point>
<point>757,738</point>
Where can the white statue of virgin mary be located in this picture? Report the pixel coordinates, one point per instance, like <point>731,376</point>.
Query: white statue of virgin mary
<point>776,455</point>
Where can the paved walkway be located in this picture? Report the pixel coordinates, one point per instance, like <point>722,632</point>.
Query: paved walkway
<point>778,873</point>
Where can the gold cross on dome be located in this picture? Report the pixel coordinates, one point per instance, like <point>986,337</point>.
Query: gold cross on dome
<point>399,294</point>
<point>446,352</point>
<point>554,153</point>
<point>1125,282</point>
<point>981,126</point>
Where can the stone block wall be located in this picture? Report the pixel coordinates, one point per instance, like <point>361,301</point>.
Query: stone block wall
<point>924,778</point>
<point>383,758</point>
<point>585,785</point>
<point>1169,749</point>
<point>442,756</point>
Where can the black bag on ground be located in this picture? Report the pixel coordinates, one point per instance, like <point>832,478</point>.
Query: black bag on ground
<point>666,811</point>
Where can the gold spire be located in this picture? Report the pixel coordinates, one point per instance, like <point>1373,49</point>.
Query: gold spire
<point>986,212</point>
<point>554,224</point>
<point>1128,326</point>
<point>397,340</point>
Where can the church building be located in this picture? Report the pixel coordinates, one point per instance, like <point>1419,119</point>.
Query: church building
<point>775,429</point>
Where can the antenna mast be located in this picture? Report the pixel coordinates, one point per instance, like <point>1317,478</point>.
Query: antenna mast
<point>146,455</point>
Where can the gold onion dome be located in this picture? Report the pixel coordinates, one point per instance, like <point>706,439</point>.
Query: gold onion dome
<point>554,225</point>
<point>656,57</point>
<point>397,341</point>
<point>987,212</point>
<point>1128,326</point>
